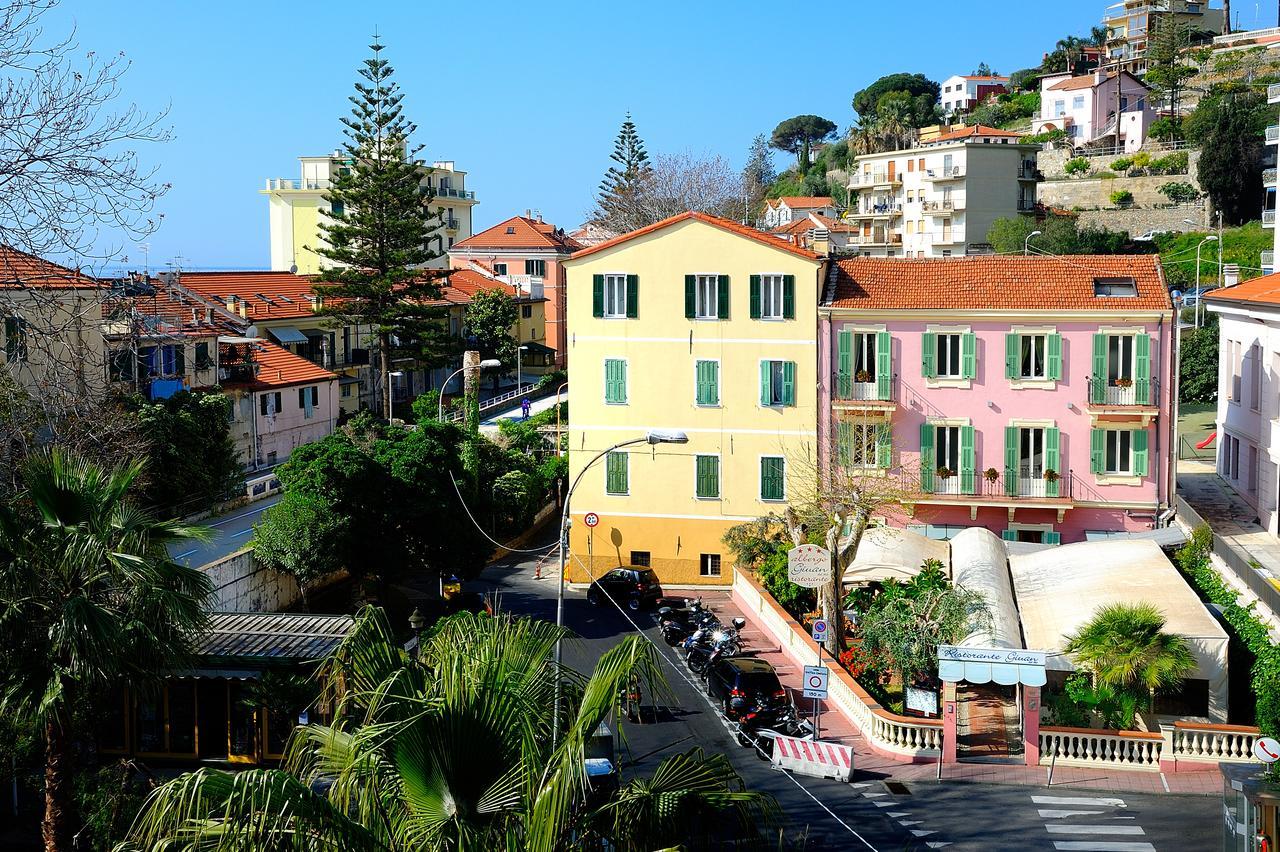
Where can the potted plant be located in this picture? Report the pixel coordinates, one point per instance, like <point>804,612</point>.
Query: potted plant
<point>1051,475</point>
<point>991,474</point>
<point>1123,382</point>
<point>862,376</point>
<point>945,472</point>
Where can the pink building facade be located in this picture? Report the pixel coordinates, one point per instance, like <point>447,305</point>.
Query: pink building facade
<point>1032,396</point>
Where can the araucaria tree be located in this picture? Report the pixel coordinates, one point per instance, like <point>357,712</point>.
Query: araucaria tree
<point>622,181</point>
<point>488,321</point>
<point>758,174</point>
<point>378,228</point>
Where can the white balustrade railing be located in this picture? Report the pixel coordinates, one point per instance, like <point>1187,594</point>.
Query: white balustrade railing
<point>1214,743</point>
<point>1117,749</point>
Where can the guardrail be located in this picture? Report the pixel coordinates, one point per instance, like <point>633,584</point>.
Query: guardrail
<point>450,192</point>
<point>529,390</point>
<point>1267,257</point>
<point>1268,217</point>
<point>1088,747</point>
<point>1273,93</point>
<point>1269,176</point>
<point>1212,743</point>
<point>1273,133</point>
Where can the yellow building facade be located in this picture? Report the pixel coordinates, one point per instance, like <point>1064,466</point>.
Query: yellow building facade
<point>702,326</point>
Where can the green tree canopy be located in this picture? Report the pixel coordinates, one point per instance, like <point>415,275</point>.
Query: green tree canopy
<point>906,629</point>
<point>490,322</point>
<point>1229,125</point>
<point>192,462</point>
<point>622,181</point>
<point>866,101</point>
<point>1125,648</point>
<point>796,135</point>
<point>1058,235</point>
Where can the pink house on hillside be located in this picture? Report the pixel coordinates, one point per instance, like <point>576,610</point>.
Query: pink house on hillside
<point>1028,395</point>
<point>1097,109</point>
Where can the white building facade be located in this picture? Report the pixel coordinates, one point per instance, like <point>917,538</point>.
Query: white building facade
<point>962,92</point>
<point>790,208</point>
<point>1096,109</point>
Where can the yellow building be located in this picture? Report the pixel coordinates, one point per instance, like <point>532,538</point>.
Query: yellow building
<point>699,325</point>
<point>294,212</point>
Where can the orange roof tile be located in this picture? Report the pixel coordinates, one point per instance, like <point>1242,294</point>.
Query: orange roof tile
<point>267,295</point>
<point>20,270</point>
<point>803,201</point>
<point>992,78</point>
<point>995,282</point>
<point>520,232</point>
<point>974,131</point>
<point>724,224</point>
<point>1256,291</point>
<point>277,367</point>
<point>164,311</point>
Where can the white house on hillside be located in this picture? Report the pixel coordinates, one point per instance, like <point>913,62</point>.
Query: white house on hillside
<point>789,208</point>
<point>963,92</point>
<point>1086,108</point>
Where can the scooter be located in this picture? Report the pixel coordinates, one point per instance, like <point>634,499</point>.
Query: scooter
<point>705,645</point>
<point>759,726</point>
<point>676,624</point>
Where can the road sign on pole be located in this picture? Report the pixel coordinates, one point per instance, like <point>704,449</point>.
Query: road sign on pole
<point>591,519</point>
<point>819,631</point>
<point>1266,749</point>
<point>815,681</point>
<point>809,565</point>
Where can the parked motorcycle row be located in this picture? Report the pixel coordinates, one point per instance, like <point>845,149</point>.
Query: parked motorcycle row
<point>745,688</point>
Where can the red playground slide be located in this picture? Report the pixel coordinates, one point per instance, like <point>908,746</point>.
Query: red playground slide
<point>1213,436</point>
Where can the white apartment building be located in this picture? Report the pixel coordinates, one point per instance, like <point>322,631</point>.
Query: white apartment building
<point>941,198</point>
<point>294,209</point>
<point>963,92</point>
<point>1269,181</point>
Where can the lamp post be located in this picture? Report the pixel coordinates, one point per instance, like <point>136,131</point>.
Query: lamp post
<point>486,364</point>
<point>653,436</point>
<point>416,623</point>
<point>519,369</point>
<point>1199,290</point>
<point>1026,244</point>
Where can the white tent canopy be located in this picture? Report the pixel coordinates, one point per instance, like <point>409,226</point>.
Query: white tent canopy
<point>887,553</point>
<point>1058,590</point>
<point>979,563</point>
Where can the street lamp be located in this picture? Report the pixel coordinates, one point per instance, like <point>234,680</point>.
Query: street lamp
<point>1026,244</point>
<point>416,623</point>
<point>519,370</point>
<point>653,436</point>
<point>1199,290</point>
<point>486,364</point>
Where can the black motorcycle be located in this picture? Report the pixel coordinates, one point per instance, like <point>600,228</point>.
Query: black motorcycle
<point>708,644</point>
<point>676,624</point>
<point>759,726</point>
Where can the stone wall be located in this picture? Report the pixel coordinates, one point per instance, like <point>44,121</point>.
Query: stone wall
<point>1139,220</point>
<point>242,585</point>
<point>1087,193</point>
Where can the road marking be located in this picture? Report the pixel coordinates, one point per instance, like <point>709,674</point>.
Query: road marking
<point>860,783</point>
<point>922,833</point>
<point>909,822</point>
<point>1094,829</point>
<point>242,532</point>
<point>1050,813</point>
<point>873,795</point>
<point>896,814</point>
<point>1165,782</point>
<point>1070,800</point>
<point>884,804</point>
<point>937,844</point>
<point>1101,846</point>
<point>256,511</point>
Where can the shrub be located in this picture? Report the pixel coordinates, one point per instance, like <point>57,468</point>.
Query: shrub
<point>1122,164</point>
<point>1056,135</point>
<point>1165,129</point>
<point>1179,192</point>
<point>1076,166</point>
<point>1141,160</point>
<point>1171,164</point>
<point>1122,198</point>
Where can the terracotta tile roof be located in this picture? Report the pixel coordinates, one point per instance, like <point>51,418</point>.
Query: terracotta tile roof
<point>803,201</point>
<point>465,283</point>
<point>724,224</point>
<point>994,282</point>
<point>267,295</point>
<point>21,270</point>
<point>1256,291</point>
<point>521,232</point>
<point>835,225</point>
<point>974,132</point>
<point>1073,83</point>
<point>277,367</point>
<point>152,309</point>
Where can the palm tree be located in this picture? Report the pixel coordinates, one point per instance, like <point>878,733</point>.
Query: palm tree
<point>89,600</point>
<point>1125,648</point>
<point>1070,45</point>
<point>453,749</point>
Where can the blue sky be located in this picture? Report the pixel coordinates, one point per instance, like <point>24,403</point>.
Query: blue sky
<point>526,97</point>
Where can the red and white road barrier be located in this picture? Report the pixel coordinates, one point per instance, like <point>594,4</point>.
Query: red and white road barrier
<point>813,757</point>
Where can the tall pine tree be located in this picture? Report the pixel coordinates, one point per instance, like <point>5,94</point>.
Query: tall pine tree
<point>622,181</point>
<point>758,174</point>
<point>379,228</point>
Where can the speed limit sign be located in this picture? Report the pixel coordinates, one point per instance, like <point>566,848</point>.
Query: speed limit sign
<point>591,519</point>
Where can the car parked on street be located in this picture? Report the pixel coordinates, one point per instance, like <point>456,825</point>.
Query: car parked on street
<point>739,684</point>
<point>633,588</point>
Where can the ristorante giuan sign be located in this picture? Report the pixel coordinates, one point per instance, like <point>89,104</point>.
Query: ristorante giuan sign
<point>984,665</point>
<point>1008,656</point>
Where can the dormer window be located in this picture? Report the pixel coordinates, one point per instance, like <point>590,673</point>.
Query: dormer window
<point>511,229</point>
<point>1121,287</point>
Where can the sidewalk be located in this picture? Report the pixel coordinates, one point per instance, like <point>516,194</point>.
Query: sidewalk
<point>868,764</point>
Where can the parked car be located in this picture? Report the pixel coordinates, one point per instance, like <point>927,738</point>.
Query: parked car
<point>742,683</point>
<point>1148,236</point>
<point>631,587</point>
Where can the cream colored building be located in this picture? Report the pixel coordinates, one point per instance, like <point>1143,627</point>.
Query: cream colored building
<point>294,209</point>
<point>941,198</point>
<point>698,325</point>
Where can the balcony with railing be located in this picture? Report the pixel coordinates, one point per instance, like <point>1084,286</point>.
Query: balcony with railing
<point>946,205</point>
<point>1268,218</point>
<point>864,391</point>
<point>876,239</point>
<point>1125,394</point>
<point>1026,205</point>
<point>1029,171</point>
<point>1268,261</point>
<point>279,184</point>
<point>1269,177</point>
<point>1273,93</point>
<point>1273,133</point>
<point>945,173</point>
<point>991,486</point>
<point>877,211</point>
<point>451,223</point>
<point>865,179</point>
<point>450,192</point>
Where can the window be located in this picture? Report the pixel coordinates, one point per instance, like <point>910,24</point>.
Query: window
<point>707,379</point>
<point>536,268</point>
<point>308,399</point>
<point>1077,102</point>
<point>946,447</point>
<point>1255,377</point>
<point>857,442</point>
<point>1113,287</point>
<point>615,480</point>
<point>1031,453</point>
<point>203,361</point>
<point>1032,361</point>
<point>451,242</point>
<point>337,209</point>
<point>1119,450</point>
<point>707,470</point>
<point>773,478</point>
<point>346,391</point>
<point>120,365</point>
<point>615,381</point>
<point>499,269</point>
<point>707,292</point>
<point>864,356</point>
<point>948,356</point>
<point>1033,356</point>
<point>709,565</point>
<point>1119,357</point>
<point>273,455</point>
<point>777,383</point>
<point>1059,107</point>
<point>640,559</point>
<point>269,404</point>
<point>526,311</point>
<point>615,295</point>
<point>771,297</point>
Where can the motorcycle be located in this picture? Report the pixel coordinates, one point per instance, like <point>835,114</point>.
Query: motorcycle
<point>677,624</point>
<point>759,726</point>
<point>706,645</point>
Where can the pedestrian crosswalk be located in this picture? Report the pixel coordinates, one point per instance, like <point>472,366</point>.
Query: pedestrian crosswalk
<point>1090,824</point>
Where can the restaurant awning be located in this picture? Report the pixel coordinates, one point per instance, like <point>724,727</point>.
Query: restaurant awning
<point>287,334</point>
<point>889,553</point>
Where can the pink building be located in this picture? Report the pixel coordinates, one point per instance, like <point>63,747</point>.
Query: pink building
<point>1097,109</point>
<point>1028,395</point>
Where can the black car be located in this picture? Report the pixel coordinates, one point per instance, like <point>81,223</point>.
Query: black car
<point>632,587</point>
<point>742,683</point>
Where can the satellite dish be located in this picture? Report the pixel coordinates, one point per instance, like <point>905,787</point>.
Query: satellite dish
<point>251,331</point>
<point>293,268</point>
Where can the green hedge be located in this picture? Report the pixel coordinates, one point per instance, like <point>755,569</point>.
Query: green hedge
<point>1193,560</point>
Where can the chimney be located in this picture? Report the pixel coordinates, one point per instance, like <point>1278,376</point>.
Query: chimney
<point>231,303</point>
<point>244,309</point>
<point>1230,274</point>
<point>821,241</point>
<point>527,213</point>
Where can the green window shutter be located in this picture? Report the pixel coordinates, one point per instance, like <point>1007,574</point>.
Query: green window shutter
<point>1098,385</point>
<point>1055,357</point>
<point>615,381</point>
<point>771,478</point>
<point>968,474</point>
<point>1052,460</point>
<point>714,476</point>
<point>690,296</point>
<point>616,473</point>
<point>969,356</point>
<point>708,484</point>
<point>927,463</point>
<point>884,445</point>
<point>597,295</point>
<point>1140,464</point>
<point>1009,535</point>
<point>722,297</point>
<point>929,355</point>
<point>766,376</point>
<point>1011,460</point>
<point>844,443</point>
<point>788,382</point>
<point>788,297</point>
<point>1012,355</point>
<point>755,296</point>
<point>844,363</point>
<point>1051,537</point>
<point>633,296</point>
<point>708,383</point>
<point>884,375</point>
<point>1097,450</point>
<point>1142,368</point>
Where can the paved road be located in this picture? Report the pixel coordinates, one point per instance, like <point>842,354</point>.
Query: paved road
<point>918,816</point>
<point>230,533</point>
